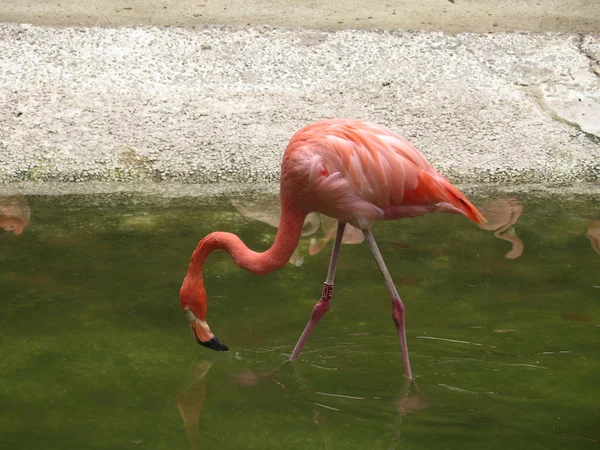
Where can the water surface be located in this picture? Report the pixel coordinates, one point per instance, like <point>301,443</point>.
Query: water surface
<point>503,329</point>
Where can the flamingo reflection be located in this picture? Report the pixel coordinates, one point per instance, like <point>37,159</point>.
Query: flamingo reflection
<point>593,234</point>
<point>266,209</point>
<point>329,226</point>
<point>190,401</point>
<point>14,214</point>
<point>191,397</point>
<point>502,214</point>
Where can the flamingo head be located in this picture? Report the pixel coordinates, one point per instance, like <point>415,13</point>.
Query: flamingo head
<point>193,302</point>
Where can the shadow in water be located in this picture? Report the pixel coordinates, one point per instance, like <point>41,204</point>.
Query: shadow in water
<point>502,214</point>
<point>14,214</point>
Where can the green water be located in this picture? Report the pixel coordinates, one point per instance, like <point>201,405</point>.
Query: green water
<point>96,353</point>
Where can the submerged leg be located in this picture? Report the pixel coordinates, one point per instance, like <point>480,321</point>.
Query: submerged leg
<point>397,305</point>
<point>323,304</point>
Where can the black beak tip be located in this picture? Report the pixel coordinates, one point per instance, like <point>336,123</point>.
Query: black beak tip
<point>214,344</point>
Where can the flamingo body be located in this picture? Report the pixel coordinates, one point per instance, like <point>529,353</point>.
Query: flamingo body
<point>354,171</point>
<point>359,172</point>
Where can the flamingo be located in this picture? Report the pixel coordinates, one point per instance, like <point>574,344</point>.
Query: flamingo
<point>354,171</point>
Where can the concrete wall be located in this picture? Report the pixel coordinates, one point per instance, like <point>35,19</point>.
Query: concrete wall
<point>218,103</point>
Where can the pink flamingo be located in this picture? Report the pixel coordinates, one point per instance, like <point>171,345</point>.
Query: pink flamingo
<point>354,171</point>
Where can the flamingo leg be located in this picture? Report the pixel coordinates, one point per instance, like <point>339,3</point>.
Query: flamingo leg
<point>322,305</point>
<point>397,305</point>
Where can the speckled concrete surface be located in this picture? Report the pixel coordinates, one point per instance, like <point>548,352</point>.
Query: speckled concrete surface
<point>219,103</point>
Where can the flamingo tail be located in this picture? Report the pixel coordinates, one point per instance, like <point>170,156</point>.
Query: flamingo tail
<point>452,195</point>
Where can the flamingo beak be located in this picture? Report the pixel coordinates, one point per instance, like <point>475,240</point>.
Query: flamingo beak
<point>213,344</point>
<point>202,333</point>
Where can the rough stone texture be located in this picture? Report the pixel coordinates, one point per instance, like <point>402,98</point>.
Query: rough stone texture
<point>559,70</point>
<point>219,104</point>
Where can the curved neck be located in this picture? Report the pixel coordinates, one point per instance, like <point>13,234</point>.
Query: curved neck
<point>193,293</point>
<point>286,241</point>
